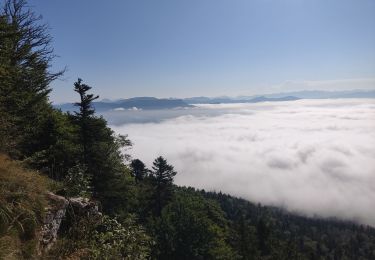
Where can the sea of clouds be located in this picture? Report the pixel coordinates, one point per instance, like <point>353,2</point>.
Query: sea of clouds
<point>314,157</point>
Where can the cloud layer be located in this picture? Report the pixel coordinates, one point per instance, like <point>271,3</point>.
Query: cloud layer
<point>315,157</point>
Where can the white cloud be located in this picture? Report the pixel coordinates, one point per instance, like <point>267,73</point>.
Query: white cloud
<point>311,156</point>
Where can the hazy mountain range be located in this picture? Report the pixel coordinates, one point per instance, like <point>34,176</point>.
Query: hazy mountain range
<point>254,99</point>
<point>288,96</point>
<point>136,103</point>
<point>149,103</point>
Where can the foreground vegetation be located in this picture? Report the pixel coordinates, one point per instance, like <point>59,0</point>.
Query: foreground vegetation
<point>22,204</point>
<point>145,214</point>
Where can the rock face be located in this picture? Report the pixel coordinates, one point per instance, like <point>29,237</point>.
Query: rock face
<point>84,207</point>
<point>56,212</point>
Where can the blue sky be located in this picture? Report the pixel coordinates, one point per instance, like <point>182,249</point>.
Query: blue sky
<point>172,48</point>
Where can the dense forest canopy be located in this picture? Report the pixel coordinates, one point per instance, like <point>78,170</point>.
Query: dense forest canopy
<point>145,216</point>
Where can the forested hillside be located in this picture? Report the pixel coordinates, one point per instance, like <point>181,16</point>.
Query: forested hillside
<point>144,215</point>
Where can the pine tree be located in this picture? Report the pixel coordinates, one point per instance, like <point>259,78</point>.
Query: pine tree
<point>85,115</point>
<point>25,60</point>
<point>85,106</point>
<point>162,178</point>
<point>139,170</point>
<point>101,154</point>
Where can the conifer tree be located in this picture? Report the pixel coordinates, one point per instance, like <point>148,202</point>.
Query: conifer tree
<point>101,153</point>
<point>85,115</point>
<point>162,178</point>
<point>139,170</point>
<point>25,60</point>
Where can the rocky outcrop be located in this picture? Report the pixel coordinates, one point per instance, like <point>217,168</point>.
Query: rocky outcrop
<point>56,212</point>
<point>84,207</point>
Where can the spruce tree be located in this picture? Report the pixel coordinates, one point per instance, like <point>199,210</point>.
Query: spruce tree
<point>101,154</point>
<point>139,170</point>
<point>85,116</point>
<point>26,56</point>
<point>162,178</point>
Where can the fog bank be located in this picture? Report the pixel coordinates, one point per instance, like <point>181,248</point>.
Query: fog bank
<point>309,156</point>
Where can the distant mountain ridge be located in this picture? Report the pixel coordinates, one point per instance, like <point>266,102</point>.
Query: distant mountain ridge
<point>150,103</point>
<point>220,100</point>
<point>131,104</point>
<point>285,96</point>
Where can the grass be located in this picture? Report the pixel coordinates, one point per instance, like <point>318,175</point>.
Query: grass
<point>22,204</point>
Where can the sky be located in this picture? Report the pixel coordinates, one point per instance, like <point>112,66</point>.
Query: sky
<point>169,48</point>
<point>312,157</point>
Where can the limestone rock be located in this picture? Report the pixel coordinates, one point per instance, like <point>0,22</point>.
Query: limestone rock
<point>55,212</point>
<point>59,209</point>
<point>84,207</point>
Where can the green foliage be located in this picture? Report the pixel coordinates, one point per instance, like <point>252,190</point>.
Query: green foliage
<point>162,179</point>
<point>139,170</point>
<point>77,182</point>
<point>85,117</point>
<point>191,227</point>
<point>121,240</point>
<point>273,233</point>
<point>103,237</point>
<point>26,56</point>
<point>244,239</point>
<point>60,150</point>
<point>31,130</point>
<point>111,179</point>
<point>102,156</point>
<point>85,105</point>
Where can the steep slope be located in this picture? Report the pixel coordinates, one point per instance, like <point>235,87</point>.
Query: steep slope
<point>22,204</point>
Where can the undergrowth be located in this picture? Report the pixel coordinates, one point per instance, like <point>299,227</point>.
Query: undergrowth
<point>22,204</point>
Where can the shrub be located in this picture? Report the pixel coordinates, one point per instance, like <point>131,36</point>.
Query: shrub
<point>77,182</point>
<point>102,237</point>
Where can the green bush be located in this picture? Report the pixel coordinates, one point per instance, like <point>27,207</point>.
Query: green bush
<point>102,237</point>
<point>77,182</point>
